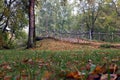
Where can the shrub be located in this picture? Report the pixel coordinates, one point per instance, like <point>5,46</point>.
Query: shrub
<point>3,39</point>
<point>106,46</point>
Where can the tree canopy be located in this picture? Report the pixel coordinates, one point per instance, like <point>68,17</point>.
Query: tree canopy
<point>63,16</point>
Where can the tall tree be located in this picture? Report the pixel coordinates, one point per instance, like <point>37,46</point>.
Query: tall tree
<point>31,35</point>
<point>91,10</point>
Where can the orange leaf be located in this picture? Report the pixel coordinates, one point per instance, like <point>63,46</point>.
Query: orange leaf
<point>75,75</point>
<point>99,69</point>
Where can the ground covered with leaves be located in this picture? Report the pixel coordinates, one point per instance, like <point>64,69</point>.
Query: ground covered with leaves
<point>97,64</point>
<point>72,44</point>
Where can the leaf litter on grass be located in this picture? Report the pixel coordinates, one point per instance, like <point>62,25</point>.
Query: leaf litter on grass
<point>57,45</point>
<point>62,44</point>
<point>62,66</point>
<point>88,72</point>
<point>95,72</point>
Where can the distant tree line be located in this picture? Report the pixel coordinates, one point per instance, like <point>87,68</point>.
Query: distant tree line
<point>79,16</point>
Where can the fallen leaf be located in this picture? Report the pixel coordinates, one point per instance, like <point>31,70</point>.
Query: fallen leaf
<point>99,69</point>
<point>46,75</point>
<point>7,77</point>
<point>6,67</point>
<point>115,60</point>
<point>118,77</point>
<point>106,77</point>
<point>75,75</point>
<point>2,74</point>
<point>93,77</point>
<point>25,60</point>
<point>113,68</point>
<point>24,77</point>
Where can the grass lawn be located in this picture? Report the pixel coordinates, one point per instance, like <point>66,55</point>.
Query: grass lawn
<point>38,65</point>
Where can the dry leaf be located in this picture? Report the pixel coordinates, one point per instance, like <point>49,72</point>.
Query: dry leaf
<point>75,75</point>
<point>113,68</point>
<point>25,77</point>
<point>93,77</point>
<point>7,77</point>
<point>25,60</point>
<point>2,74</point>
<point>6,67</point>
<point>106,77</point>
<point>46,75</point>
<point>99,69</point>
<point>115,60</point>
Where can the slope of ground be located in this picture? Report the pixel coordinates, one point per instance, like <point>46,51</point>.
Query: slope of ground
<point>69,44</point>
<point>52,44</point>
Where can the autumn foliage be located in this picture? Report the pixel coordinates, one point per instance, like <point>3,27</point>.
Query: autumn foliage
<point>47,65</point>
<point>105,72</point>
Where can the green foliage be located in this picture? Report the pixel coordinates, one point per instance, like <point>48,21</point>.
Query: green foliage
<point>53,16</point>
<point>11,45</point>
<point>1,6</point>
<point>21,34</point>
<point>106,46</point>
<point>13,15</point>
<point>19,39</point>
<point>3,39</point>
<point>75,17</point>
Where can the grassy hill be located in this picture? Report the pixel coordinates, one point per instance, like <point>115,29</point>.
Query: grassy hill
<point>52,44</point>
<point>72,44</point>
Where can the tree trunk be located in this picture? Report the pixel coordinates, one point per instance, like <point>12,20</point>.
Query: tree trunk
<point>31,35</point>
<point>91,34</point>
